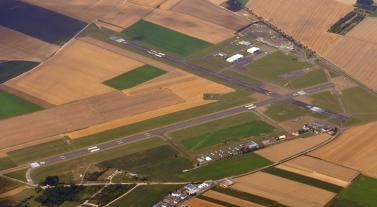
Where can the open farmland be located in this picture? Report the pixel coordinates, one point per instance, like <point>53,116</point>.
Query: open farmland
<point>320,169</point>
<point>364,30</point>
<point>13,106</point>
<point>287,149</point>
<point>306,20</point>
<point>276,188</point>
<point>229,199</point>
<point>18,46</point>
<point>166,39</point>
<point>189,25</point>
<point>150,3</point>
<point>12,69</point>
<point>75,73</point>
<point>55,29</point>
<point>356,148</point>
<point>207,11</point>
<point>196,202</point>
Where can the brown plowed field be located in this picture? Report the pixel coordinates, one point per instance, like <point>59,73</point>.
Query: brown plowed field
<point>207,11</point>
<point>189,25</point>
<point>75,73</point>
<point>17,46</point>
<point>321,170</point>
<point>282,190</point>
<point>230,199</point>
<point>196,202</point>
<point>366,30</point>
<point>356,148</point>
<point>126,14</point>
<point>287,149</point>
<point>149,3</point>
<point>84,10</point>
<point>306,20</point>
<point>168,4</point>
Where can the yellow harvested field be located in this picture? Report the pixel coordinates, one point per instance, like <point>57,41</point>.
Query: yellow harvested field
<point>168,4</point>
<point>230,199</point>
<point>189,25</point>
<point>125,15</point>
<point>217,2</point>
<point>75,73</point>
<point>149,3</point>
<point>356,148</point>
<point>17,46</point>
<point>306,20</point>
<point>349,2</point>
<point>210,12</point>
<point>79,115</point>
<point>320,169</point>
<point>356,57</point>
<point>13,192</point>
<point>282,190</point>
<point>366,30</point>
<point>196,202</point>
<point>290,148</point>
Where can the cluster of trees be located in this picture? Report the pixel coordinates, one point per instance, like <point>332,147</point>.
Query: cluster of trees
<point>234,5</point>
<point>365,2</point>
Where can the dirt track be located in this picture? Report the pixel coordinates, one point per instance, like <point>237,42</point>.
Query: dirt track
<point>356,148</point>
<point>190,26</point>
<point>284,191</point>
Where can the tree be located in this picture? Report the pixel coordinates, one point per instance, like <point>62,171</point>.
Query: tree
<point>365,2</point>
<point>234,5</point>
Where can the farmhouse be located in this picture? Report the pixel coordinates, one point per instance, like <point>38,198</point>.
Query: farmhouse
<point>234,58</point>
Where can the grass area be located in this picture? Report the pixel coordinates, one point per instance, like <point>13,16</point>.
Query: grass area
<point>326,100</point>
<point>303,179</point>
<point>233,128</point>
<point>134,77</point>
<point>243,2</point>
<point>24,199</point>
<point>242,77</point>
<point>164,38</point>
<point>212,200</point>
<point>282,111</point>
<point>361,193</point>
<point>312,78</point>
<point>228,100</point>
<point>7,185</point>
<point>109,193</point>
<point>273,65</point>
<point>359,100</point>
<point>226,167</point>
<point>162,163</point>
<point>13,106</point>
<point>374,14</point>
<point>12,69</point>
<point>40,151</point>
<point>69,171</point>
<point>144,196</point>
<point>6,163</point>
<point>248,197</point>
<point>19,175</point>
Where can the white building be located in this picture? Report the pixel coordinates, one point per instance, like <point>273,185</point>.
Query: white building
<point>253,50</point>
<point>234,58</point>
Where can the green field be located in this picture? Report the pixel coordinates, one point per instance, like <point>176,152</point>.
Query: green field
<point>162,163</point>
<point>359,100</point>
<point>164,38</point>
<point>233,128</point>
<point>7,185</point>
<point>273,65</point>
<point>36,152</point>
<point>228,100</point>
<point>6,163</point>
<point>326,100</point>
<point>226,167</point>
<point>134,77</point>
<point>13,106</point>
<point>144,196</point>
<point>312,78</point>
<point>248,197</point>
<point>303,179</point>
<point>242,77</point>
<point>361,193</point>
<point>109,193</point>
<point>284,111</point>
<point>70,170</point>
<point>19,175</point>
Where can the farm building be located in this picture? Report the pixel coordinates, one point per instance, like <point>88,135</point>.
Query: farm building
<point>234,58</point>
<point>254,50</point>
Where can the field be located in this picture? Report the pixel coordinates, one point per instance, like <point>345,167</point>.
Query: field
<point>79,66</point>
<point>321,170</point>
<point>56,28</point>
<point>207,11</point>
<point>137,197</point>
<point>12,69</point>
<point>6,163</point>
<point>150,3</point>
<point>357,100</point>
<point>160,163</point>
<point>164,38</point>
<point>227,167</point>
<point>362,192</point>
<point>364,29</point>
<point>310,79</point>
<point>14,106</point>
<point>19,175</point>
<point>134,77</point>
<point>229,199</point>
<point>283,111</point>
<point>275,188</point>
<point>196,202</point>
<point>190,26</point>
<point>308,24</point>
<point>7,185</point>
<point>287,149</point>
<point>326,100</point>
<point>355,148</point>
<point>18,46</point>
<point>230,129</point>
<point>273,65</point>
